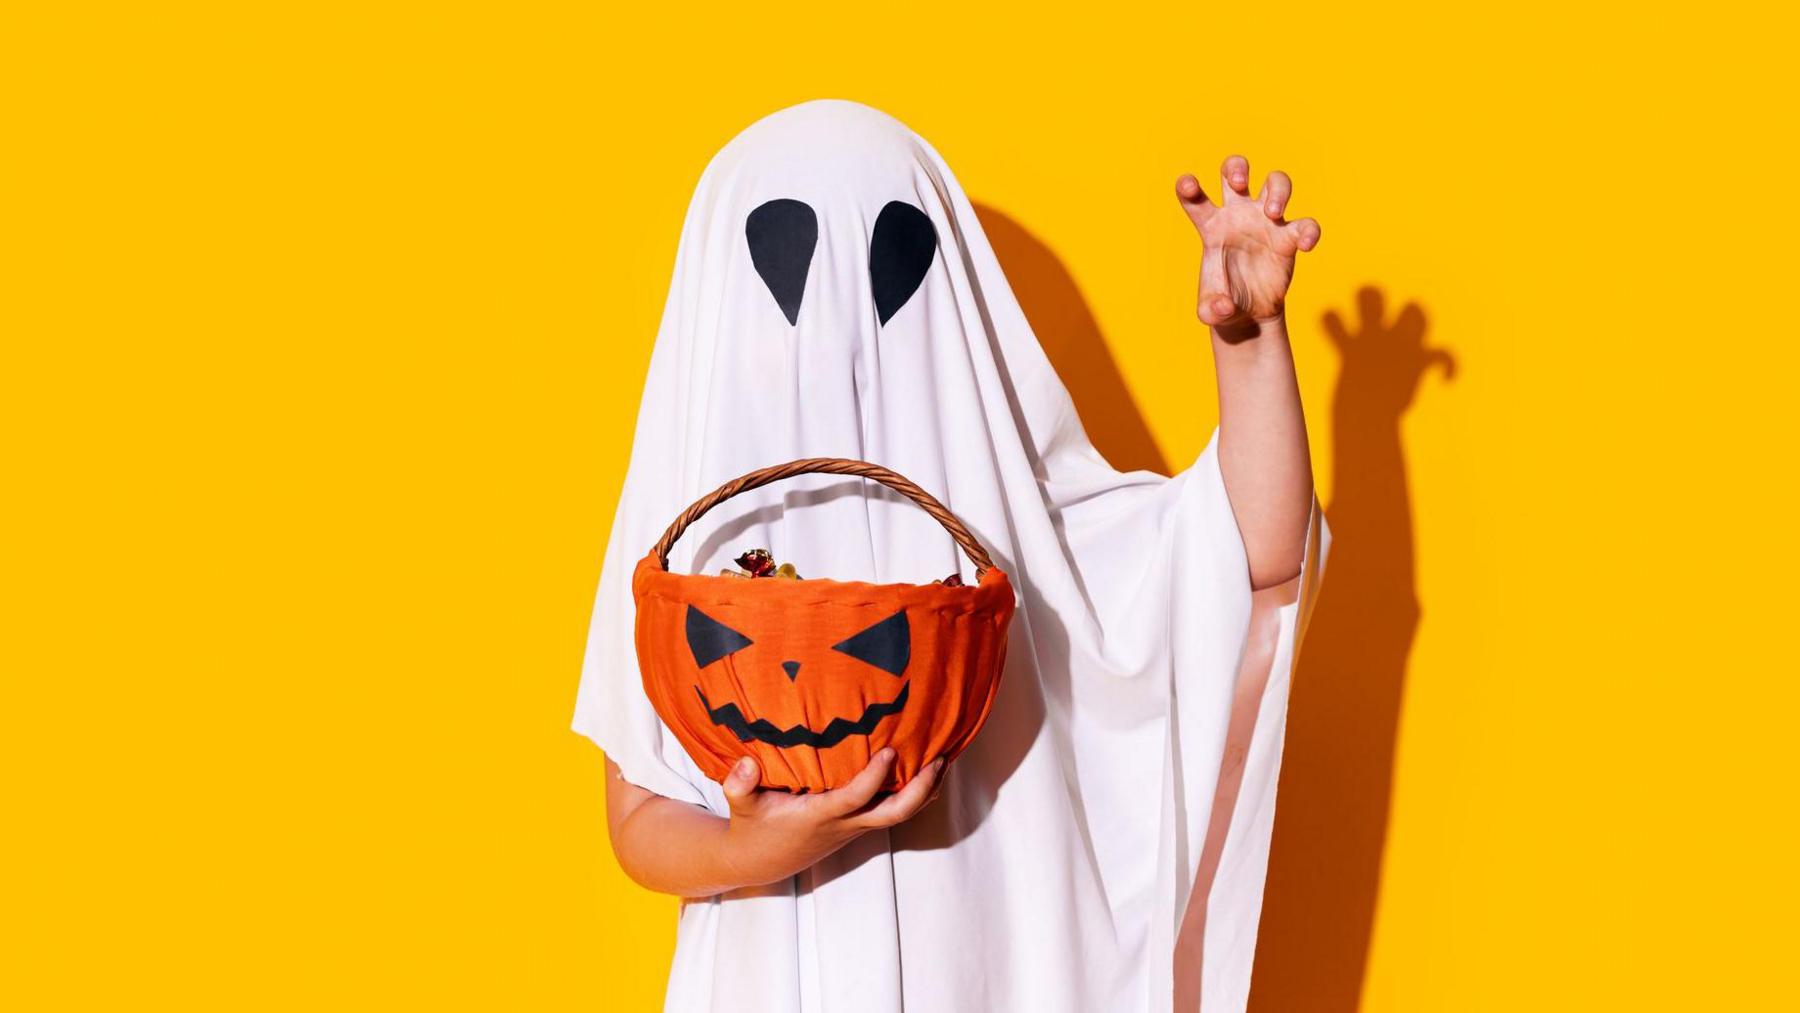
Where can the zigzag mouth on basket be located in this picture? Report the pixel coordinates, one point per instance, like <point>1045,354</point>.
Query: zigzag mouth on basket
<point>764,730</point>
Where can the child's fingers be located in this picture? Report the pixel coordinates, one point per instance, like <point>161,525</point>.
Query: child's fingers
<point>1216,309</point>
<point>740,784</point>
<point>1305,233</point>
<point>1235,174</point>
<point>1216,305</point>
<point>856,792</point>
<point>901,805</point>
<point>1193,199</point>
<point>1275,193</point>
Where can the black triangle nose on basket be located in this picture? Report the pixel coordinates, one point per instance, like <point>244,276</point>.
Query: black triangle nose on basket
<point>792,668</point>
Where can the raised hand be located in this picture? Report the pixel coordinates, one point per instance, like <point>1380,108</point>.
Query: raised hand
<point>1248,250</point>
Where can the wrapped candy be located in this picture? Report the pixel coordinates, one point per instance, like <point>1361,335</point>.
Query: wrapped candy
<point>760,563</point>
<point>757,563</point>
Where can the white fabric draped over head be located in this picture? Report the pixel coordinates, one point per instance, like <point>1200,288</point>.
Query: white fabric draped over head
<point>1056,868</point>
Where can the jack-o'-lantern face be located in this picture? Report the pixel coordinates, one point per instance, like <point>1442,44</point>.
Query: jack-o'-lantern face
<point>813,677</point>
<point>879,656</point>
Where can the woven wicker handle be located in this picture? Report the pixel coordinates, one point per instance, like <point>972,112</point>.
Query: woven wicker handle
<point>828,466</point>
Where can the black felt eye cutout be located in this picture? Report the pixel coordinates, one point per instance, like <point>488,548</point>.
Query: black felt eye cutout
<point>711,639</point>
<point>782,234</point>
<point>887,645</point>
<point>900,252</point>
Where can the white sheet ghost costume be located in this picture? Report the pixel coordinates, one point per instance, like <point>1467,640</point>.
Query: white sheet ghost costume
<point>1102,844</point>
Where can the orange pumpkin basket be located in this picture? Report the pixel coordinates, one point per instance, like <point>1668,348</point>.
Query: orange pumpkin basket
<point>814,676</point>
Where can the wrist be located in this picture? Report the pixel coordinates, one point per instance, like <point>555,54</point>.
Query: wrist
<point>741,858</point>
<point>1264,330</point>
<point>758,856</point>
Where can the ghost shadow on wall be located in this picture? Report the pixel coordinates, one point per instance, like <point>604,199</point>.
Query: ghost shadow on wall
<point>1071,337</point>
<point>1331,810</point>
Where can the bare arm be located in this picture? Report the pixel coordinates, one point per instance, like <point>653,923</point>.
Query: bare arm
<point>674,847</point>
<point>1246,267</point>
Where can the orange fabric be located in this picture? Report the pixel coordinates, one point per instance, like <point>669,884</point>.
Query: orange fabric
<point>955,647</point>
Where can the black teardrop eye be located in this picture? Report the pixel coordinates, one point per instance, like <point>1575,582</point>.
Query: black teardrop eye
<point>887,645</point>
<point>782,234</point>
<point>711,639</point>
<point>900,252</point>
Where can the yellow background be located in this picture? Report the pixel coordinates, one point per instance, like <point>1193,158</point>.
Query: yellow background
<point>323,326</point>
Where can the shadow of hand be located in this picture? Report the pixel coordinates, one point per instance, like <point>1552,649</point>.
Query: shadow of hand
<point>1383,362</point>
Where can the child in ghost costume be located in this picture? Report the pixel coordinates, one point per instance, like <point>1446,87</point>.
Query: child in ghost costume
<point>1101,845</point>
